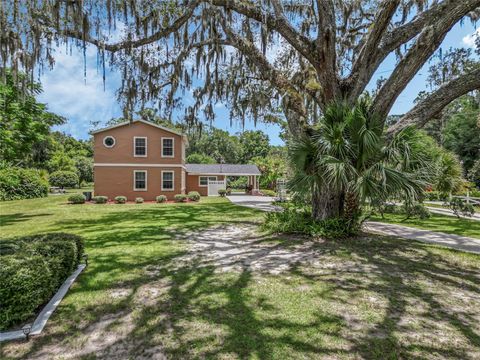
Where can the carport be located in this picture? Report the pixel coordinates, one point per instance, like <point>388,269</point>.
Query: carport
<point>217,174</point>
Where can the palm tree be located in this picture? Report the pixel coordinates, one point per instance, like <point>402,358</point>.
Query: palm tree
<point>349,154</point>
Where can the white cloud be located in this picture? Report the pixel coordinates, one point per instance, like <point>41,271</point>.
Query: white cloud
<point>469,40</point>
<point>80,100</point>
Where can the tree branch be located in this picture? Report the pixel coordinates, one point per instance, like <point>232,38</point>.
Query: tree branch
<point>365,60</point>
<point>325,42</point>
<point>428,41</point>
<point>129,44</point>
<point>279,23</point>
<point>435,102</point>
<point>292,98</point>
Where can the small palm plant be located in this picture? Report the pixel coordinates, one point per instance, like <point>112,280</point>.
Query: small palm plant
<point>349,154</point>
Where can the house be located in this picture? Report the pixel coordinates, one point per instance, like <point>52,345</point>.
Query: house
<point>142,159</point>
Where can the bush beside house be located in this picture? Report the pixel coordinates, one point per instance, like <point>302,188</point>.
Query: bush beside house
<point>64,179</point>
<point>32,268</point>
<point>76,199</point>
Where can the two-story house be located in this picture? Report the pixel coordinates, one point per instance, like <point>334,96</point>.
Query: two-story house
<point>142,159</point>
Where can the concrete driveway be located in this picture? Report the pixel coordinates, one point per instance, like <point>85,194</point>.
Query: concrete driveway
<point>263,203</point>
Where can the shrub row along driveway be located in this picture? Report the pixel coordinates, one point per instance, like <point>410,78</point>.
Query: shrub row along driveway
<point>153,291</point>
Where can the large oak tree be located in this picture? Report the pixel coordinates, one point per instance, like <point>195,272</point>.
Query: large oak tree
<point>266,59</point>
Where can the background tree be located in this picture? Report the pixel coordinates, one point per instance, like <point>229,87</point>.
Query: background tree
<point>253,143</point>
<point>328,51</point>
<point>197,158</point>
<point>24,121</point>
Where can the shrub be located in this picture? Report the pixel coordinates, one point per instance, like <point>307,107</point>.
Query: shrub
<point>222,192</point>
<point>415,211</point>
<point>139,200</point>
<point>64,179</point>
<point>100,199</point>
<point>460,207</point>
<point>76,199</point>
<point>17,183</point>
<point>32,269</point>
<point>120,199</point>
<point>298,220</point>
<point>267,192</point>
<point>193,196</point>
<point>161,198</point>
<point>229,191</point>
<point>180,198</point>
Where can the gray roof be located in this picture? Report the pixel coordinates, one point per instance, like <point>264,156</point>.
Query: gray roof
<point>225,169</point>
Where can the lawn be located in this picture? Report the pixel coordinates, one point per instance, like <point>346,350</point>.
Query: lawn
<point>436,222</point>
<point>371,297</point>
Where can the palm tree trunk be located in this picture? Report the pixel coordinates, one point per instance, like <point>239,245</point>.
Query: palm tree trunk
<point>327,203</point>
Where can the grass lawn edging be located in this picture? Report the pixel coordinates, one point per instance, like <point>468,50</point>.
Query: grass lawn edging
<point>47,311</point>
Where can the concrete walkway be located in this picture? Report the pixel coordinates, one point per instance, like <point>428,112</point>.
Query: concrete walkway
<point>449,212</point>
<point>432,237</point>
<point>263,203</point>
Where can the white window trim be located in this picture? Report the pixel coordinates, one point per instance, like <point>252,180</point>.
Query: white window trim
<point>146,146</point>
<point>114,141</point>
<point>173,180</point>
<point>173,147</point>
<point>135,178</point>
<point>208,178</point>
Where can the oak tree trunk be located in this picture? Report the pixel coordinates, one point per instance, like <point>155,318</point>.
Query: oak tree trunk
<point>327,203</point>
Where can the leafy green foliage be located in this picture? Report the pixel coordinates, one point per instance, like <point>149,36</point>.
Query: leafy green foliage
<point>298,220</point>
<point>100,199</point>
<point>196,158</point>
<point>193,196</point>
<point>349,154</point>
<point>76,199</point>
<point>120,199</point>
<point>253,143</point>
<point>24,121</point>
<point>222,192</point>
<point>161,198</point>
<point>460,207</point>
<point>180,198</point>
<point>273,167</point>
<point>139,200</point>
<point>17,183</point>
<point>267,192</point>
<point>84,167</point>
<point>64,179</point>
<point>415,211</point>
<point>215,143</point>
<point>31,270</point>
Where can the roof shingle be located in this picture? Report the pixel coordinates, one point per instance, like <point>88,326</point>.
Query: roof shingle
<point>225,169</point>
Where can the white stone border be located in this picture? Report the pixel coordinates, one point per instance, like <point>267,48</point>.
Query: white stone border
<point>47,311</point>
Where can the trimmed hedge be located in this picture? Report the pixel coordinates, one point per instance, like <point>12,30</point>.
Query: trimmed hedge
<point>76,199</point>
<point>64,179</point>
<point>193,196</point>
<point>120,199</point>
<point>100,199</point>
<point>18,183</point>
<point>161,198</point>
<point>32,268</point>
<point>180,198</point>
<point>222,192</point>
<point>139,200</point>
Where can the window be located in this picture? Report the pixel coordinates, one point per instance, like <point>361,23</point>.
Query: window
<point>203,180</point>
<point>167,180</point>
<point>140,146</point>
<point>140,180</point>
<point>167,147</point>
<point>109,141</point>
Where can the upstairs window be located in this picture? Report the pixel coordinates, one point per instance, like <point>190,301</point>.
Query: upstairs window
<point>140,180</point>
<point>167,147</point>
<point>140,146</point>
<point>167,180</point>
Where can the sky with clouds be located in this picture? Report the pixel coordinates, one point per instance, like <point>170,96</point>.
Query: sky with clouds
<point>85,100</point>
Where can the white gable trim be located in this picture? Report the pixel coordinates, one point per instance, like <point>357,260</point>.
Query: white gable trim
<point>134,121</point>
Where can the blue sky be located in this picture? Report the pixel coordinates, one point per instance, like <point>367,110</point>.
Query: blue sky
<point>82,102</point>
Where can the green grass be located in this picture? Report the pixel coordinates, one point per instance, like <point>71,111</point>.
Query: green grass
<point>440,206</point>
<point>374,297</point>
<point>437,222</point>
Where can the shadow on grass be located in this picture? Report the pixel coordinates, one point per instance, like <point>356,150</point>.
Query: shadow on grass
<point>10,219</point>
<point>188,310</point>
